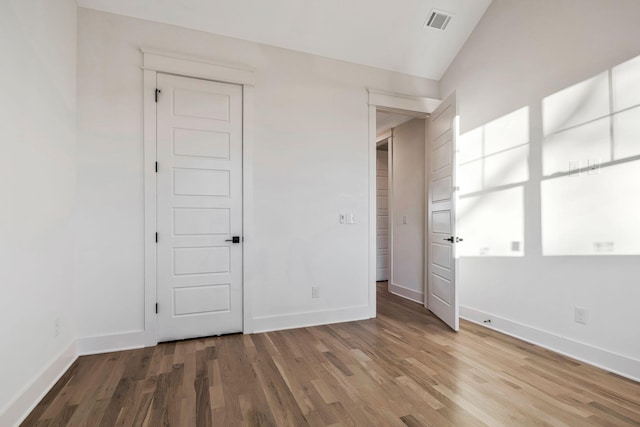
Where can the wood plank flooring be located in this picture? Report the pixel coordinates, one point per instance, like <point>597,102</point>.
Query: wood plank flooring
<point>404,368</point>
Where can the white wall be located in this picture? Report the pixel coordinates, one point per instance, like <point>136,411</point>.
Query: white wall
<point>408,201</point>
<point>310,162</point>
<point>37,160</point>
<point>527,225</point>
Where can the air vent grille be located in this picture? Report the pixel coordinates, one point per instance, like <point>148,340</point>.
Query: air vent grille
<point>438,19</point>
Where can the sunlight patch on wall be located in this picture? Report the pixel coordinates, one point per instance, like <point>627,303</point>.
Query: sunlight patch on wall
<point>626,126</point>
<point>569,149</point>
<point>492,166</point>
<point>492,223</point>
<point>591,166</point>
<point>575,105</point>
<point>626,84</point>
<point>593,214</point>
<point>495,154</point>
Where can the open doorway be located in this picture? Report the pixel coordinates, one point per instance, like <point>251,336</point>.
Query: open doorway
<point>400,203</point>
<point>421,200</point>
<point>383,261</point>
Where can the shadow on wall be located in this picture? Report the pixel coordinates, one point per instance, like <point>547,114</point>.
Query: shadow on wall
<point>589,173</point>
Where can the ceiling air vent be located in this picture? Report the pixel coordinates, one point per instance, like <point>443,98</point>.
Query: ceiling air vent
<point>438,19</point>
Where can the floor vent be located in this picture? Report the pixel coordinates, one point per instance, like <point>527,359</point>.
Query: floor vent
<point>438,19</point>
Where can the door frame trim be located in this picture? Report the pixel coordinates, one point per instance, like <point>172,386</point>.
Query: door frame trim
<point>388,101</point>
<point>155,62</point>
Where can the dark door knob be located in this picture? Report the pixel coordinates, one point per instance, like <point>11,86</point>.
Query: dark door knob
<point>454,239</point>
<point>234,239</point>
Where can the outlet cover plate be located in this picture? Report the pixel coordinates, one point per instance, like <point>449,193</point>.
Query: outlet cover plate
<point>581,315</point>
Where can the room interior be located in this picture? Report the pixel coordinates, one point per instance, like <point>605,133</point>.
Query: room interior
<point>544,181</point>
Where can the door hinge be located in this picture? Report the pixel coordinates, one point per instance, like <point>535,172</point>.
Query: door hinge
<point>156,167</point>
<point>156,237</point>
<point>156,308</point>
<point>157,92</point>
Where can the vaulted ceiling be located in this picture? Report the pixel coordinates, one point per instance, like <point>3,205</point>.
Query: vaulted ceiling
<point>386,34</point>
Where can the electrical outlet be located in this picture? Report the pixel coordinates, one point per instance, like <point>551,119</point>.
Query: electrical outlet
<point>315,292</point>
<point>404,219</point>
<point>581,315</point>
<point>343,218</point>
<point>604,246</point>
<point>56,327</point>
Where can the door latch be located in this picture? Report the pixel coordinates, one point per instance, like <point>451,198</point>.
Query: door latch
<point>454,239</point>
<point>234,239</point>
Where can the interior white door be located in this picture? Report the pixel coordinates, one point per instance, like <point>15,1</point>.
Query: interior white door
<point>199,196</point>
<point>382,218</point>
<point>442,296</point>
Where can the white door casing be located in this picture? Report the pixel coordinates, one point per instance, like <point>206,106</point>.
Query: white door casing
<point>442,297</point>
<point>199,208</point>
<point>415,105</point>
<point>382,221</point>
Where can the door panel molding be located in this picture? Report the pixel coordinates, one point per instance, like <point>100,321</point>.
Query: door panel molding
<point>192,267</point>
<point>440,287</point>
<point>208,69</point>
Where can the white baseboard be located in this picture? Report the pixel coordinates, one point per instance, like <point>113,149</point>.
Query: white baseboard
<point>607,360</point>
<point>312,318</point>
<point>110,343</point>
<point>407,293</point>
<point>27,399</point>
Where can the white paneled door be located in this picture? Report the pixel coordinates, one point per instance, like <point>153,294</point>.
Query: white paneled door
<point>382,218</point>
<point>441,282</point>
<point>199,179</point>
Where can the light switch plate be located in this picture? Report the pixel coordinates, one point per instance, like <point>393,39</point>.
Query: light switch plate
<point>575,168</point>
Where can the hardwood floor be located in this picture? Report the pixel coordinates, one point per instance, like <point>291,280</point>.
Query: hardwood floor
<point>404,368</point>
